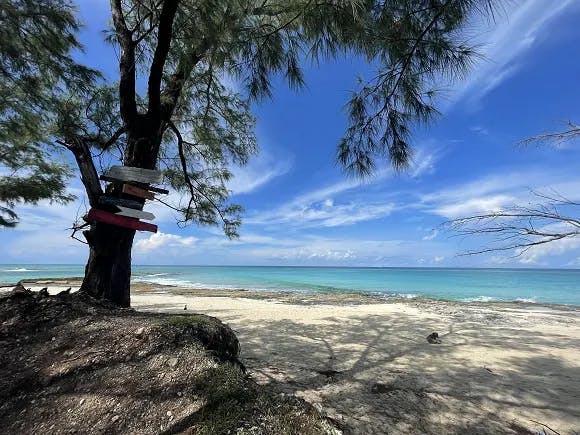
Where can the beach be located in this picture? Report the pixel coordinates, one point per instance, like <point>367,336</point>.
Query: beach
<point>366,364</point>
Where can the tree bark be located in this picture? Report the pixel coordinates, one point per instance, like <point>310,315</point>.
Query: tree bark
<point>108,269</point>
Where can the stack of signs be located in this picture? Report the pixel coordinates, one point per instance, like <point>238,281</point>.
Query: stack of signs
<point>124,209</point>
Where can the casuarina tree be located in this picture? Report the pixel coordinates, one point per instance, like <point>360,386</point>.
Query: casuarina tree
<point>36,70</point>
<point>190,70</point>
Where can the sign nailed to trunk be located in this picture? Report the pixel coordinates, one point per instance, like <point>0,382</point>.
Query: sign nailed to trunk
<point>137,214</point>
<point>112,200</point>
<point>137,191</point>
<point>139,175</point>
<point>116,209</point>
<point>96,215</point>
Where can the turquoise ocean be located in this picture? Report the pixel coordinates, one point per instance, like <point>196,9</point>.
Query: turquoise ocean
<point>556,286</point>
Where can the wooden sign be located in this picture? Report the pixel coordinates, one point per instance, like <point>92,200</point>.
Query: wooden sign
<point>137,191</point>
<point>128,173</point>
<point>150,188</point>
<point>123,202</point>
<point>137,214</point>
<point>105,217</point>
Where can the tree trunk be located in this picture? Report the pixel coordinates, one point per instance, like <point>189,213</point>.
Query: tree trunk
<point>108,270</point>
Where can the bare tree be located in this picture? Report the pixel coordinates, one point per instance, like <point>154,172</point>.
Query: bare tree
<point>520,228</point>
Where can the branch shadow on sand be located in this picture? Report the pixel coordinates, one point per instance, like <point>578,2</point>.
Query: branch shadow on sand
<point>378,374</point>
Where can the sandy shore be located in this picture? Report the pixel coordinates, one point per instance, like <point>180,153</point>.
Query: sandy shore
<point>367,364</point>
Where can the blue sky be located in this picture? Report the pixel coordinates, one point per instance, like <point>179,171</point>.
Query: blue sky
<point>302,210</point>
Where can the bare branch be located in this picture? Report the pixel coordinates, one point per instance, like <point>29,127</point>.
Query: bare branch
<point>193,190</point>
<point>520,228</point>
<point>555,138</point>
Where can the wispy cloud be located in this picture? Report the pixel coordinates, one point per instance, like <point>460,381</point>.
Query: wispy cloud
<point>504,43</point>
<point>338,204</point>
<point>258,172</point>
<point>496,191</point>
<point>163,241</point>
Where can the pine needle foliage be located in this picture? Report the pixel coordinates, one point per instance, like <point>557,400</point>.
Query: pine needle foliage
<point>36,70</point>
<point>204,63</point>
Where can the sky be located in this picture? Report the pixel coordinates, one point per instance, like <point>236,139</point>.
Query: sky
<point>301,209</point>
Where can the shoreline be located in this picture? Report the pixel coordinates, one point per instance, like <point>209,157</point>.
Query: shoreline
<point>297,297</point>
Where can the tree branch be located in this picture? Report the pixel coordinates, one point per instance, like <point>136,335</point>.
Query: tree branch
<point>520,228</point>
<point>86,166</point>
<point>192,188</point>
<point>177,80</point>
<point>128,104</point>
<point>164,35</point>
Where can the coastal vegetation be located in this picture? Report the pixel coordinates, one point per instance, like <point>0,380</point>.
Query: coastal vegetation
<point>189,73</point>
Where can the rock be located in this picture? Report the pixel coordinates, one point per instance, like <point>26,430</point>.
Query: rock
<point>433,338</point>
<point>139,331</point>
<point>81,401</point>
<point>185,308</point>
<point>115,418</point>
<point>43,292</point>
<point>169,413</point>
<point>172,362</point>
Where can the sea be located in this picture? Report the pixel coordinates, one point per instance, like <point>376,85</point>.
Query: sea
<point>552,286</point>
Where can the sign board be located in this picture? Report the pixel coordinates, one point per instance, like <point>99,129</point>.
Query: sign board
<point>137,191</point>
<point>112,200</point>
<point>129,173</point>
<point>137,214</point>
<point>117,180</point>
<point>105,217</point>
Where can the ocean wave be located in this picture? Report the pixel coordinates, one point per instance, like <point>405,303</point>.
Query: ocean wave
<point>481,299</point>
<point>407,295</point>
<point>152,275</point>
<point>21,269</point>
<point>205,286</point>
<point>531,300</point>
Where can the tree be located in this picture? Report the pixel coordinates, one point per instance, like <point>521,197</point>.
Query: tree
<point>188,120</point>
<point>518,229</point>
<point>36,69</point>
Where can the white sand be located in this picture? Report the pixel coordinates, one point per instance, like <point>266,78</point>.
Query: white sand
<point>496,364</point>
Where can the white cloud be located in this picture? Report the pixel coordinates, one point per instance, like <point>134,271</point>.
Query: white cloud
<point>163,241</point>
<point>475,206</point>
<point>504,43</point>
<point>351,251</point>
<point>258,172</point>
<point>535,254</point>
<point>432,235</point>
<point>337,205</point>
<point>495,192</point>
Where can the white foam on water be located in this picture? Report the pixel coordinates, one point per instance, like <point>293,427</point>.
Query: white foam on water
<point>407,295</point>
<point>481,299</point>
<point>21,269</point>
<point>531,300</point>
